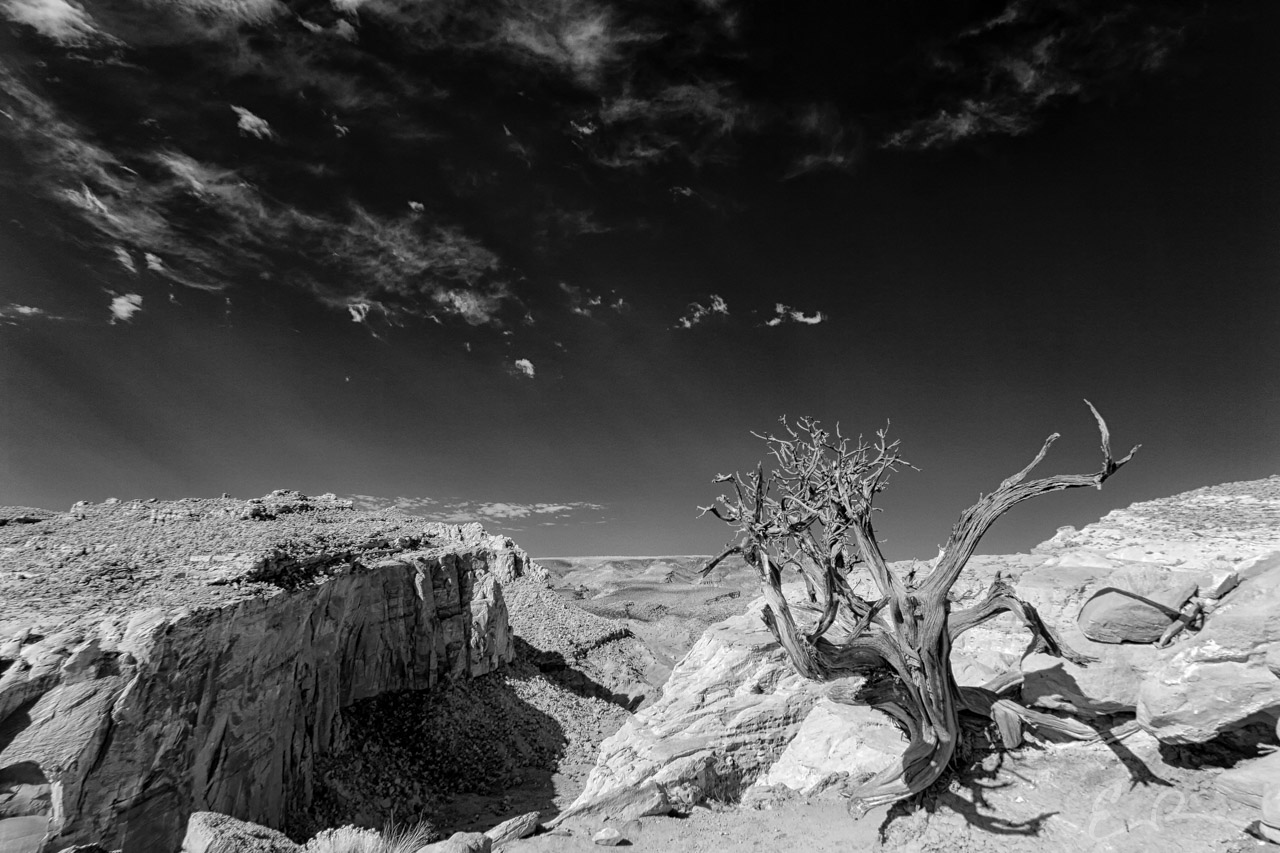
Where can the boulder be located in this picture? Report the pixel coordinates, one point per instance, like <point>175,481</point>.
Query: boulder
<point>1271,804</point>
<point>729,711</point>
<point>1127,615</point>
<point>1220,677</point>
<point>510,830</point>
<point>145,683</point>
<point>209,832</point>
<point>1245,783</point>
<point>461,842</point>
<point>1058,586</point>
<point>836,742</point>
<point>1218,579</point>
<point>1108,685</point>
<point>607,837</point>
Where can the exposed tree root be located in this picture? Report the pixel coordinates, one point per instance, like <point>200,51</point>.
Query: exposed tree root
<point>813,513</point>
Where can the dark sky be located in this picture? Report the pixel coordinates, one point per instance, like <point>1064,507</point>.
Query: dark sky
<point>547,264</point>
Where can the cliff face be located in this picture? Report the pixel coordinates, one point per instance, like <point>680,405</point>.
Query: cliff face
<point>145,678</point>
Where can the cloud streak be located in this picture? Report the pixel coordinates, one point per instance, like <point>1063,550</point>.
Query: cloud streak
<point>124,306</point>
<point>408,172</point>
<point>998,76</point>
<point>697,312</point>
<point>458,512</point>
<point>58,20</point>
<point>786,314</point>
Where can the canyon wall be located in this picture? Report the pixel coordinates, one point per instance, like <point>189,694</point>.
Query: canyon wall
<point>199,681</point>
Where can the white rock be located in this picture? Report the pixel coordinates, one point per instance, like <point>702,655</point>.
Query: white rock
<point>461,842</point>
<point>208,832</point>
<point>836,740</point>
<point>1219,677</point>
<point>516,827</point>
<point>607,837</point>
<point>726,714</point>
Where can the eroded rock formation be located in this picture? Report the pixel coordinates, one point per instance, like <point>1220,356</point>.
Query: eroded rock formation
<point>731,708</point>
<point>734,712</point>
<point>158,659</point>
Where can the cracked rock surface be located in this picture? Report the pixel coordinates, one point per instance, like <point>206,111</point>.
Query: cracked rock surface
<point>161,658</point>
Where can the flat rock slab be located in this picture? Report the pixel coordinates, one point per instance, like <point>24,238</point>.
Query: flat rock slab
<point>1245,783</point>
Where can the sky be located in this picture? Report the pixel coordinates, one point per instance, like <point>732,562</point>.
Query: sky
<point>547,264</point>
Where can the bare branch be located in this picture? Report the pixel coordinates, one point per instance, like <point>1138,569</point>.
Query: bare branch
<point>1000,598</point>
<point>813,512</point>
<point>1018,477</point>
<point>1108,465</point>
<point>977,519</point>
<point>716,560</point>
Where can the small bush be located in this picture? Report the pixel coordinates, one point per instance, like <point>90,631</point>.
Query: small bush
<point>352,839</point>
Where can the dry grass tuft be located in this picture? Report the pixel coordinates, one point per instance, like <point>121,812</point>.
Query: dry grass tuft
<point>352,839</point>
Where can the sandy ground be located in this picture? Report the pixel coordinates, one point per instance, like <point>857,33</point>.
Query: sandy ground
<point>1135,795</point>
<point>1141,799</point>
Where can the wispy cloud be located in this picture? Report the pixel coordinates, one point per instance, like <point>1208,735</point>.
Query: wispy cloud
<point>786,314</point>
<point>831,141</point>
<point>996,77</point>
<point>457,512</point>
<point>124,258</point>
<point>59,20</point>
<point>578,36</point>
<point>396,192</point>
<point>14,313</point>
<point>124,306</point>
<point>698,312</point>
<point>581,300</point>
<point>252,125</point>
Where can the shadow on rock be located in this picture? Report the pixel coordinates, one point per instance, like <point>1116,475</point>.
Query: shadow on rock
<point>1228,749</point>
<point>555,667</point>
<point>963,792</point>
<point>467,753</point>
<point>1111,729</point>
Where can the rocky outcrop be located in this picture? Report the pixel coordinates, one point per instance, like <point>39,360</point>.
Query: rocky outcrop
<point>209,832</point>
<point>162,659</point>
<point>1129,615</point>
<point>735,714</point>
<point>1220,676</point>
<point>1218,539</point>
<point>837,742</point>
<point>1246,782</point>
<point>730,710</point>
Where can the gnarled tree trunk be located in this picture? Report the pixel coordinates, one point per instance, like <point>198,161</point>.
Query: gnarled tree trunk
<point>814,513</point>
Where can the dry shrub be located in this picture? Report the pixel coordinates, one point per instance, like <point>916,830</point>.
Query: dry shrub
<point>352,839</point>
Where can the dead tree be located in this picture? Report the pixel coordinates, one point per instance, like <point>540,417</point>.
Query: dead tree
<point>813,513</point>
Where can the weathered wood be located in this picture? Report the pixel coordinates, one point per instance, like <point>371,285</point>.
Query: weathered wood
<point>811,513</point>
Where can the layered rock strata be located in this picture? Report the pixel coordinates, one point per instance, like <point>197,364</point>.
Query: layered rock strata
<point>730,710</point>
<point>158,659</point>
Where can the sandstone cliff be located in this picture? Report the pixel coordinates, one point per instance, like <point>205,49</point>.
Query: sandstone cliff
<point>162,658</point>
